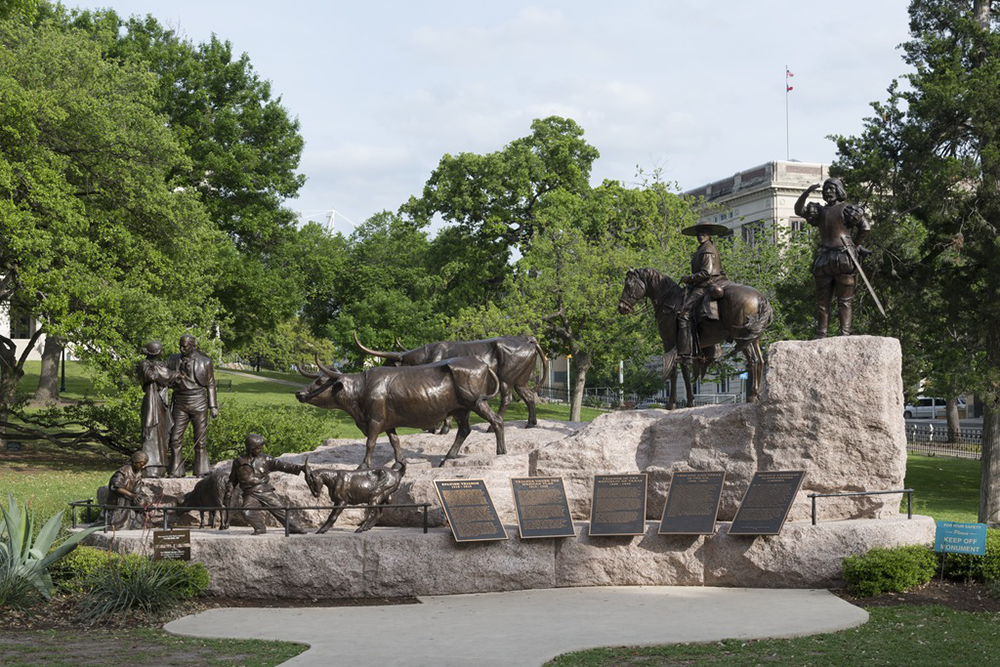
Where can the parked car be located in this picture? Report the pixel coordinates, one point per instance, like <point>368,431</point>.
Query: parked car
<point>929,407</point>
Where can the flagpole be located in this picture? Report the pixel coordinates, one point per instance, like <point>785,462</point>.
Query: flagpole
<point>788,152</point>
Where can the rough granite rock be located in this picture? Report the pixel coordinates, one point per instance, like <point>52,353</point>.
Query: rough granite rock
<point>387,562</point>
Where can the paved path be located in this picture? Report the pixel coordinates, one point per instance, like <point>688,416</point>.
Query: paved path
<point>262,378</point>
<point>524,628</point>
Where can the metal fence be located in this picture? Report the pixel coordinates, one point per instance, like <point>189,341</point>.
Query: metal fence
<point>611,398</point>
<point>938,440</point>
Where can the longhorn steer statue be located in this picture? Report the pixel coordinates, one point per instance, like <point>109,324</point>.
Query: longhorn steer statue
<point>512,358</point>
<point>386,398</point>
<point>370,486</point>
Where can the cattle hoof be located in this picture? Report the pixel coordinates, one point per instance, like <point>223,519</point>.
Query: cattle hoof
<point>441,465</point>
<point>531,425</point>
<point>321,531</point>
<point>361,529</point>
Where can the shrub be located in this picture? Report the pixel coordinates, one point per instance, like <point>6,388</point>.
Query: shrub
<point>896,569</point>
<point>135,583</point>
<point>77,572</point>
<point>984,569</point>
<point>285,429</point>
<point>25,556</point>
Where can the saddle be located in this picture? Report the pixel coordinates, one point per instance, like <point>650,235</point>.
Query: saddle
<point>708,307</point>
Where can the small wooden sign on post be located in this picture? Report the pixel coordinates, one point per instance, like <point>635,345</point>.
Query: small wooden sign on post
<point>172,544</point>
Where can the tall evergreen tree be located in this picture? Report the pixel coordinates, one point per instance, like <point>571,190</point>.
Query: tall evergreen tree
<point>929,160</point>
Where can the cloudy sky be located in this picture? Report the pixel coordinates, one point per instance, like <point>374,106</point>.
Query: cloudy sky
<point>384,89</point>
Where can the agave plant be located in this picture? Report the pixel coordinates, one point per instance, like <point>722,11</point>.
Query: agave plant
<point>25,556</point>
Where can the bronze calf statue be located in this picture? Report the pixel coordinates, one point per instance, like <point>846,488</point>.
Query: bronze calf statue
<point>212,491</point>
<point>369,486</point>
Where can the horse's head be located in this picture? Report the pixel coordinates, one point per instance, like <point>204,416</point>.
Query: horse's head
<point>632,293</point>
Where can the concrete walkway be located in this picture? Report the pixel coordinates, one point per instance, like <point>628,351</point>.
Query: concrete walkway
<point>523,628</point>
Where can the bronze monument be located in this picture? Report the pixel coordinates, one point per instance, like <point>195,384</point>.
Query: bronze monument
<point>156,378</point>
<point>512,358</point>
<point>705,279</point>
<point>385,398</point>
<point>368,486</point>
<point>743,315</point>
<point>842,229</point>
<point>252,472</point>
<point>194,397</point>
<point>124,490</point>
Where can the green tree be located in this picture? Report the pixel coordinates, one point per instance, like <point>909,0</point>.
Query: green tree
<point>244,149</point>
<point>566,285</point>
<point>95,241</point>
<point>383,289</point>
<point>929,164</point>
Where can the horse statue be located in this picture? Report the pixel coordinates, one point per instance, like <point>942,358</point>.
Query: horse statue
<point>744,314</point>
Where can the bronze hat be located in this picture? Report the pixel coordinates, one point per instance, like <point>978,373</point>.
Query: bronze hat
<point>708,228</point>
<point>153,347</point>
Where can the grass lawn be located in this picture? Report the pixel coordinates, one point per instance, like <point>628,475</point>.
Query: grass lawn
<point>141,646</point>
<point>904,635</point>
<point>946,488</point>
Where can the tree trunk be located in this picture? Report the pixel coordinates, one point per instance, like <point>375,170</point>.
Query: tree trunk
<point>581,364</point>
<point>48,380</point>
<point>989,472</point>
<point>954,423</point>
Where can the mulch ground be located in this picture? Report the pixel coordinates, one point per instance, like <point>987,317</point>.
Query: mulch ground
<point>961,596</point>
<point>60,612</point>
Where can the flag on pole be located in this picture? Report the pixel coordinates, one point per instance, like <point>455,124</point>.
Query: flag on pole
<point>788,75</point>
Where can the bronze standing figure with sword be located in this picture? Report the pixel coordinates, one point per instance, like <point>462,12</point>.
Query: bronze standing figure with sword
<point>842,229</point>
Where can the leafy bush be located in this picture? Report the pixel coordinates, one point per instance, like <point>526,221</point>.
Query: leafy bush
<point>135,583</point>
<point>984,569</point>
<point>285,429</point>
<point>896,569</point>
<point>77,572</point>
<point>26,556</point>
<point>73,573</point>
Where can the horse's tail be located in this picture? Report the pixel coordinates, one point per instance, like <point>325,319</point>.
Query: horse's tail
<point>757,322</point>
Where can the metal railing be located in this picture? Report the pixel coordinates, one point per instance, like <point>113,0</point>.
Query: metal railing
<point>908,492</point>
<point>939,440</point>
<point>89,504</point>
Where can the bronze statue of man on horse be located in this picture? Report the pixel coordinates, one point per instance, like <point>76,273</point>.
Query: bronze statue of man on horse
<point>694,322</point>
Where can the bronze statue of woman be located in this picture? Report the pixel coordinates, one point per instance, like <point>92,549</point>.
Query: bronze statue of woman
<point>156,419</point>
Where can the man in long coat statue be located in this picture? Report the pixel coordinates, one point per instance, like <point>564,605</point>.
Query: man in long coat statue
<point>194,397</point>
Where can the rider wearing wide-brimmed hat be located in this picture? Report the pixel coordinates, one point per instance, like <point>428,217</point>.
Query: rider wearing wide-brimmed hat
<point>706,272</point>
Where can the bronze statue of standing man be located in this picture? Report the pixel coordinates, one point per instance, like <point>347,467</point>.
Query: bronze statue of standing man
<point>842,228</point>
<point>194,397</point>
<point>156,420</point>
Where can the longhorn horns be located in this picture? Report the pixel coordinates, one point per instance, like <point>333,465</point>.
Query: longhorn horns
<point>375,353</point>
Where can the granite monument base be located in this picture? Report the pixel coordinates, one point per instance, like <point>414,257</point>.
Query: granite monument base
<point>393,562</point>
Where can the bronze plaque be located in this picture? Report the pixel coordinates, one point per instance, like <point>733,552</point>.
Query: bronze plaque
<point>470,510</point>
<point>542,507</point>
<point>766,503</point>
<point>172,544</point>
<point>618,506</point>
<point>692,503</point>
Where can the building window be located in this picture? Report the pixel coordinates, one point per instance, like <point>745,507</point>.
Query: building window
<point>797,225</point>
<point>753,233</point>
<point>21,323</point>
<point>722,385</point>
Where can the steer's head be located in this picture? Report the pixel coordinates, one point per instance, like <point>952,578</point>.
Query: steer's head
<point>322,391</point>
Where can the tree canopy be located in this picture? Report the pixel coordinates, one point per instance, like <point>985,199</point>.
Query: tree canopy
<point>928,161</point>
